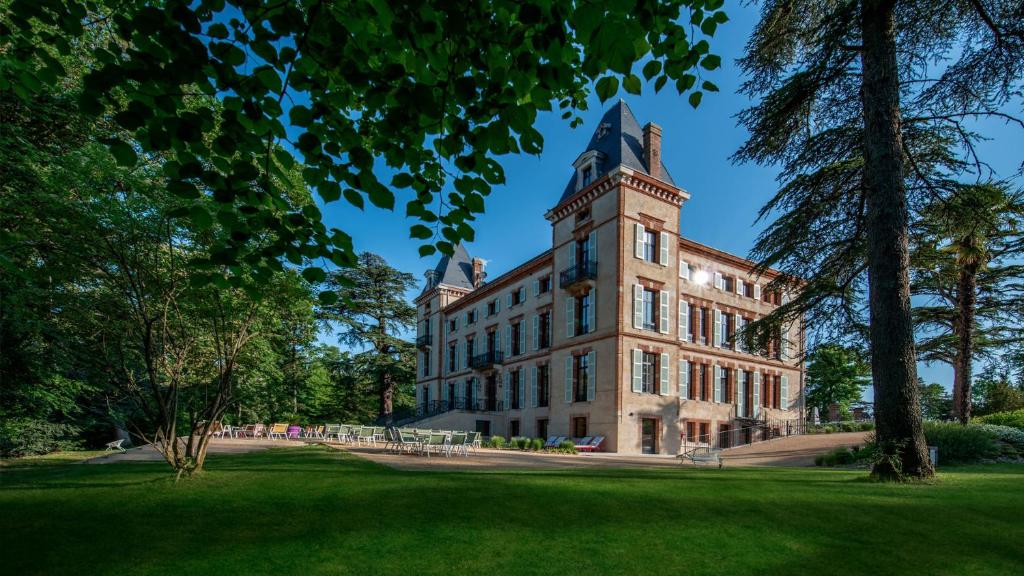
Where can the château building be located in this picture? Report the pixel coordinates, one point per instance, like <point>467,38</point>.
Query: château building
<point>623,328</point>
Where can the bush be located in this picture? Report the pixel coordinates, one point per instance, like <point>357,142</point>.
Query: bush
<point>1006,434</point>
<point>537,444</point>
<point>837,457</point>
<point>497,442</point>
<point>1013,418</point>
<point>31,436</point>
<point>960,444</point>
<point>567,447</point>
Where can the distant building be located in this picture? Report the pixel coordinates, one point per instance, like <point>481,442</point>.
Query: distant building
<point>622,329</point>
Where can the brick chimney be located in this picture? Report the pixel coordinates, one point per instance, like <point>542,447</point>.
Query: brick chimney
<point>652,149</point>
<point>478,272</point>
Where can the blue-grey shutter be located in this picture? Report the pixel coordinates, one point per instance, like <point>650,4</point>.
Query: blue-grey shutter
<point>684,320</point>
<point>572,253</point>
<point>666,376</point>
<point>638,374</point>
<point>684,379</point>
<point>592,246</point>
<point>497,341</point>
<point>591,375</point>
<point>419,395</point>
<point>716,339</point>
<point>508,300</point>
<point>568,379</point>
<point>684,269</point>
<point>522,388</point>
<point>536,332</point>
<point>592,311</point>
<point>663,252</point>
<point>757,292</point>
<point>757,395</point>
<point>570,317</point>
<point>741,393</point>
<point>533,386</point>
<point>508,340</point>
<point>638,240</point>
<point>638,306</point>
<point>717,375</point>
<point>665,297</point>
<point>784,393</point>
<point>536,288</point>
<point>506,383</point>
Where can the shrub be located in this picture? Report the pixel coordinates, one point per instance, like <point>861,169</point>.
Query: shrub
<point>31,436</point>
<point>1014,418</point>
<point>497,442</point>
<point>960,444</point>
<point>567,447</point>
<point>837,457</point>
<point>537,444</point>
<point>1006,434</point>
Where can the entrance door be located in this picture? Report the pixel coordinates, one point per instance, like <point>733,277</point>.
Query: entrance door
<point>649,436</point>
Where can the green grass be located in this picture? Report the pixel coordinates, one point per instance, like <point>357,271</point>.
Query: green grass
<point>59,457</point>
<point>314,511</point>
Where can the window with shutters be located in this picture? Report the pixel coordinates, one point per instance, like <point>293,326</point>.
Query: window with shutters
<point>543,386</point>
<point>492,343</point>
<point>727,393</point>
<point>492,307</point>
<point>425,363</point>
<point>544,330</point>
<point>518,295</point>
<point>471,317</point>
<point>776,396</point>
<point>544,285</point>
<point>583,313</point>
<point>704,375</point>
<point>452,357</point>
<point>650,309</point>
<point>650,245</point>
<point>728,329</point>
<point>702,326</point>
<point>580,377</point>
<point>649,373</point>
<point>586,175</point>
<point>517,338</point>
<point>583,214</point>
<point>748,289</point>
<point>470,348</point>
<point>728,284</point>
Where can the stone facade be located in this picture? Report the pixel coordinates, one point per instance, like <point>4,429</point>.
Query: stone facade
<point>622,329</point>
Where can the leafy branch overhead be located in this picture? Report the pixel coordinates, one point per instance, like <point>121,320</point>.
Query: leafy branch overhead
<point>348,91</point>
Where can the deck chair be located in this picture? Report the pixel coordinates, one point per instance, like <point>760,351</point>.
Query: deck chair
<point>593,446</point>
<point>366,435</point>
<point>332,431</point>
<point>552,442</point>
<point>407,442</point>
<point>116,445</point>
<point>458,444</point>
<point>473,440</point>
<point>278,430</point>
<point>436,443</point>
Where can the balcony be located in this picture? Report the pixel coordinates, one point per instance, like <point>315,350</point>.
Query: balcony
<point>486,360</point>
<point>577,274</point>
<point>423,342</point>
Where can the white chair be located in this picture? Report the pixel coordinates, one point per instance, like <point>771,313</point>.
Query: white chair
<point>115,445</point>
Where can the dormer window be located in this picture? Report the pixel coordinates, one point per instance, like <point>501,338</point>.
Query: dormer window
<point>588,166</point>
<point>587,176</point>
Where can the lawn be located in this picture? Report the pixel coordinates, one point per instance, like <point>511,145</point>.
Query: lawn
<point>314,511</point>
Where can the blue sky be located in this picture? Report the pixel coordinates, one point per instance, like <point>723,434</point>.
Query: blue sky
<point>696,146</point>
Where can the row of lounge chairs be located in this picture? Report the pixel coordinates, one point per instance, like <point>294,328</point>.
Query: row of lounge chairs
<point>426,442</point>
<point>585,444</point>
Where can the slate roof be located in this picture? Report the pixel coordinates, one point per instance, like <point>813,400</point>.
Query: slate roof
<point>620,139</point>
<point>455,270</point>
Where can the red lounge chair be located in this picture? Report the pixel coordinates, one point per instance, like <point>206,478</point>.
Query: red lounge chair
<point>594,445</point>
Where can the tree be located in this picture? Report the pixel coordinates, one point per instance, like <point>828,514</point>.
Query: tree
<point>866,131</point>
<point>965,262</point>
<point>435,94</point>
<point>935,401</point>
<point>996,391</point>
<point>372,312</point>
<point>835,375</point>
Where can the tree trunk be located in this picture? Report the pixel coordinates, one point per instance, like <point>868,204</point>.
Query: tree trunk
<point>387,392</point>
<point>967,288</point>
<point>893,363</point>
<point>953,409</point>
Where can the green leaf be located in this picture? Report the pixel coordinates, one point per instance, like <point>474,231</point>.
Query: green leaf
<point>327,297</point>
<point>354,198</point>
<point>314,274</point>
<point>123,153</point>
<point>420,232</point>
<point>660,83</point>
<point>427,250</point>
<point>711,61</point>
<point>300,116</point>
<point>709,86</point>
<point>607,87</point>
<point>709,26</point>
<point>631,84</point>
<point>652,69</point>
<point>382,198</point>
<point>200,218</point>
<point>695,98</point>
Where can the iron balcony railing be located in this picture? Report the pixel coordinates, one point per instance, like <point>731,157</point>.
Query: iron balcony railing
<point>486,360</point>
<point>435,407</point>
<point>423,341</point>
<point>575,274</point>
